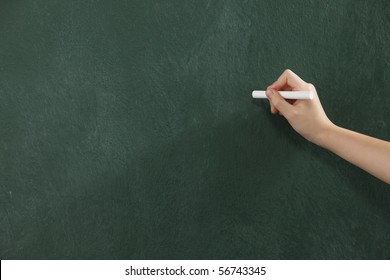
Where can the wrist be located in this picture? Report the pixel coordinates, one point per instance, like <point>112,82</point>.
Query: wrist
<point>324,136</point>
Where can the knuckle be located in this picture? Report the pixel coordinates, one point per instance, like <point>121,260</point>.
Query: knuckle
<point>311,86</point>
<point>288,71</point>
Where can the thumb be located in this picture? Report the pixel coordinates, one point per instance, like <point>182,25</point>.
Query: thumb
<point>278,101</point>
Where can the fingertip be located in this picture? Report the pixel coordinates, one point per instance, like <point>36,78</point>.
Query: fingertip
<point>268,93</point>
<point>273,91</point>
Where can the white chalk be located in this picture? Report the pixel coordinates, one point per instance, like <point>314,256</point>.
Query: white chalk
<point>285,94</point>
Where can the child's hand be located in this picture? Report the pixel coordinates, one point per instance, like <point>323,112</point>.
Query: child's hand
<point>306,116</point>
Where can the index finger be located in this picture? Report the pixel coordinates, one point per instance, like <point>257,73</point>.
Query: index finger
<point>289,80</point>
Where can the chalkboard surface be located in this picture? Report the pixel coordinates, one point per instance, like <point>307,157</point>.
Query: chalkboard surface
<point>128,131</point>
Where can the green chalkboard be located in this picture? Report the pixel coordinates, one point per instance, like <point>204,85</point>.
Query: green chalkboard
<point>128,131</point>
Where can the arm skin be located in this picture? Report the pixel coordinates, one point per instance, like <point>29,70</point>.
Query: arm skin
<point>368,153</point>
<point>308,118</point>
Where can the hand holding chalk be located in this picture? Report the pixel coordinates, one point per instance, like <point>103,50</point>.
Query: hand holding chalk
<point>306,114</point>
<point>309,119</point>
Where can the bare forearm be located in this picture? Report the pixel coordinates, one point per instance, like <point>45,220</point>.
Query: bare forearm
<point>368,153</point>
<point>308,118</point>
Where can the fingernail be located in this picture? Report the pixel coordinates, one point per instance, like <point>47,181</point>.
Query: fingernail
<point>268,93</point>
